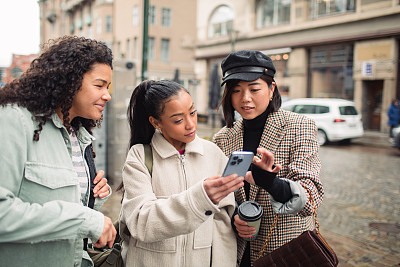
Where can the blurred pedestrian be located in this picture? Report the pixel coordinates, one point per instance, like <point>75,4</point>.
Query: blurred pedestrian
<point>175,215</point>
<point>393,116</point>
<point>46,117</point>
<point>287,163</point>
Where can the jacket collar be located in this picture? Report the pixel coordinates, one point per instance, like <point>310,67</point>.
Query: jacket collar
<point>165,149</point>
<point>83,135</point>
<point>274,130</point>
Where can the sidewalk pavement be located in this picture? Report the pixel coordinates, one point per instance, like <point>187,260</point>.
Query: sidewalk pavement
<point>373,138</point>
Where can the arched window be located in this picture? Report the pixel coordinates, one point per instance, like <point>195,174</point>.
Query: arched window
<point>272,12</point>
<point>221,22</point>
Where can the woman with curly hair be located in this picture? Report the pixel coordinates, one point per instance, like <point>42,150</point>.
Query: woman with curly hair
<point>46,119</point>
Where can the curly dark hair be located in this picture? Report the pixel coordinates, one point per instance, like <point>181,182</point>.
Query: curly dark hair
<point>53,79</point>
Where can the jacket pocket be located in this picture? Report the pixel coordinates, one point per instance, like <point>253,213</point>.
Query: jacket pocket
<point>43,183</point>
<point>165,246</point>
<point>203,235</point>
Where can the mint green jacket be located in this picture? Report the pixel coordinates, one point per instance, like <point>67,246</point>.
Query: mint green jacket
<point>42,220</point>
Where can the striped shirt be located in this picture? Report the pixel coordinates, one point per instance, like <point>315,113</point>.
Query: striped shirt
<point>79,165</point>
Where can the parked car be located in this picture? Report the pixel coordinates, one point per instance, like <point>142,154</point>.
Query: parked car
<point>336,119</point>
<point>396,137</point>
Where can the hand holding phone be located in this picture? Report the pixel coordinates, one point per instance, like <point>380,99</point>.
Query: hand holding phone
<point>239,163</point>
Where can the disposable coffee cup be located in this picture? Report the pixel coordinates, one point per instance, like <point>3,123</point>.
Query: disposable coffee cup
<point>251,212</point>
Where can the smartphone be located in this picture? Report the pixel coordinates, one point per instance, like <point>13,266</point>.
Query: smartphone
<point>239,163</point>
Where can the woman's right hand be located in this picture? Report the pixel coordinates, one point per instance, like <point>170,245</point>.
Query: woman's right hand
<point>108,235</point>
<point>217,187</point>
<point>242,228</point>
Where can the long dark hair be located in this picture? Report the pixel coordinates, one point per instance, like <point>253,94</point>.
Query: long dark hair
<point>53,79</point>
<point>148,99</point>
<point>226,101</point>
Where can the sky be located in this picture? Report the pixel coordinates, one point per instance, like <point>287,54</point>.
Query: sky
<point>19,29</point>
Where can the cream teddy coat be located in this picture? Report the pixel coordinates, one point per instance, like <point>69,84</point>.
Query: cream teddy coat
<point>168,213</point>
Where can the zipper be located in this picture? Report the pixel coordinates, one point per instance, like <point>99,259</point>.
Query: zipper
<point>183,161</point>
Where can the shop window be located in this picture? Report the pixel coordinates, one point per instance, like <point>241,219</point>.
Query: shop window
<point>331,72</point>
<point>272,12</point>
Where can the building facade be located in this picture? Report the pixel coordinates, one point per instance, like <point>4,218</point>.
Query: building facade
<point>338,48</point>
<point>19,64</point>
<point>120,24</point>
<point>89,18</point>
<point>170,39</point>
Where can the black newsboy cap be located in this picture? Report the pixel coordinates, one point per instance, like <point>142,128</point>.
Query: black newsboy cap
<point>246,65</point>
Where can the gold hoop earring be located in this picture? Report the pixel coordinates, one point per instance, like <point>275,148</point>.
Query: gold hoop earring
<point>271,98</point>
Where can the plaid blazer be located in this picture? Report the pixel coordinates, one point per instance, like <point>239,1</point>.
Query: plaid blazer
<point>292,139</point>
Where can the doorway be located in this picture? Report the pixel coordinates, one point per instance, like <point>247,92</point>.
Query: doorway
<point>374,91</point>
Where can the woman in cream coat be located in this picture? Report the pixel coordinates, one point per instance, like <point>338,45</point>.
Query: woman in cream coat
<point>176,216</point>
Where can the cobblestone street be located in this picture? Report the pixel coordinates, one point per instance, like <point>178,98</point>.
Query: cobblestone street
<point>360,214</point>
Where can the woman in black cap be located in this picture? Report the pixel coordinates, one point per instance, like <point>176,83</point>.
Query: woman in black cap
<point>287,166</point>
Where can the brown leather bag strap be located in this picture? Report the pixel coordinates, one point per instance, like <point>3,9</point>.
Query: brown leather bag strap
<point>274,224</point>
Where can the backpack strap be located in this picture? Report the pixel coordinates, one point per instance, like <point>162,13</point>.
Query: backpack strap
<point>92,173</point>
<point>148,157</point>
<point>148,161</point>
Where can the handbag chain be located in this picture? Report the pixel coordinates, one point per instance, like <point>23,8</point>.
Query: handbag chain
<point>274,224</point>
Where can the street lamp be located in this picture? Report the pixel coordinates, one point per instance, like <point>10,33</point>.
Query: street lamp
<point>233,34</point>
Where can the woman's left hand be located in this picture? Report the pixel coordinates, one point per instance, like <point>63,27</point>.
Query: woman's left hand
<point>102,189</point>
<point>266,163</point>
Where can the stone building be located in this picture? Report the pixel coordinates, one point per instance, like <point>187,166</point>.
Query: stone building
<point>338,48</point>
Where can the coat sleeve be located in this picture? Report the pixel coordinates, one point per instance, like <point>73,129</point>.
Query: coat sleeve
<point>31,222</point>
<point>304,166</point>
<point>152,219</point>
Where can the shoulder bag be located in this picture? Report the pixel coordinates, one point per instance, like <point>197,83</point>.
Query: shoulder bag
<point>308,249</point>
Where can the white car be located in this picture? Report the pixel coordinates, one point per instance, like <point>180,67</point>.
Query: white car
<point>336,119</point>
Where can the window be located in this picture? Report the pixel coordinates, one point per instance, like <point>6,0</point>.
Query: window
<point>221,22</point>
<point>311,109</point>
<point>135,16</point>
<point>348,110</point>
<point>272,12</point>
<point>108,24</point>
<point>135,47</point>
<point>304,109</point>
<point>128,49</point>
<point>166,17</point>
<point>150,47</point>
<point>152,15</point>
<point>165,50</point>
<point>16,72</point>
<point>320,8</point>
<point>98,25</point>
<point>331,69</point>
<point>321,109</point>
